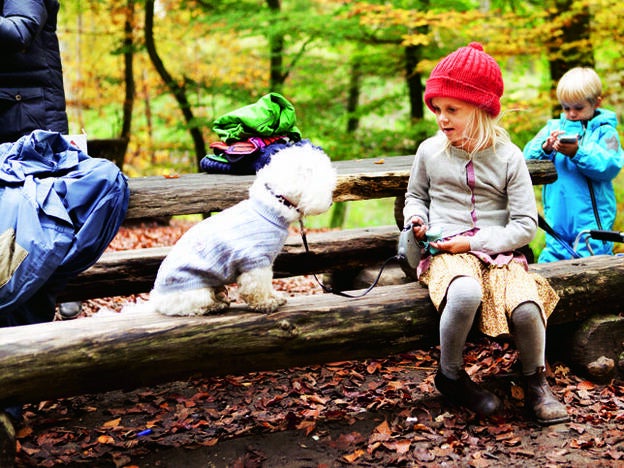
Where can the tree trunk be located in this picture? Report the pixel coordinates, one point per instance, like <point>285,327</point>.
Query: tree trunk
<point>147,103</point>
<point>414,82</point>
<point>353,121</point>
<point>276,49</point>
<point>569,46</point>
<point>128,105</point>
<point>413,55</point>
<point>178,90</point>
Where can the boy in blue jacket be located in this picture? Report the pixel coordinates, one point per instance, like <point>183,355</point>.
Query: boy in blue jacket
<point>585,148</point>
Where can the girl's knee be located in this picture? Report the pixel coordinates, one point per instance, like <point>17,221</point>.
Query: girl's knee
<point>527,313</point>
<point>463,298</point>
<point>465,289</point>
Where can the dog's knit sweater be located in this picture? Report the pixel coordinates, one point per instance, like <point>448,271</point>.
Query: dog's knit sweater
<point>216,251</point>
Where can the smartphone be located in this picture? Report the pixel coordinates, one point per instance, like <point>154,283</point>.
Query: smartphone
<point>568,138</point>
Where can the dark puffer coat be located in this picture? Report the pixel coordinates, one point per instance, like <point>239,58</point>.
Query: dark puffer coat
<point>31,75</point>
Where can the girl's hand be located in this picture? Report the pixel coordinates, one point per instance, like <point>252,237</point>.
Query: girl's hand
<point>419,227</point>
<point>457,244</point>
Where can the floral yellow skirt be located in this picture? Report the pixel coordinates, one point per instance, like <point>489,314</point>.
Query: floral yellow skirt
<point>504,288</point>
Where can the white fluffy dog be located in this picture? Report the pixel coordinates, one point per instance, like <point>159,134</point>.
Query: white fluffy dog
<point>240,243</point>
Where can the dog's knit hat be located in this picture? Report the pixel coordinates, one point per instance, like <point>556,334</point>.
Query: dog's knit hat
<point>470,75</point>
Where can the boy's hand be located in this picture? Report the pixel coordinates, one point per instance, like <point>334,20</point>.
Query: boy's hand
<point>549,145</point>
<point>568,149</point>
<point>553,143</point>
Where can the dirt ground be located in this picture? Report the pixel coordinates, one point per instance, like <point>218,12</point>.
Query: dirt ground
<point>354,413</point>
<point>381,412</point>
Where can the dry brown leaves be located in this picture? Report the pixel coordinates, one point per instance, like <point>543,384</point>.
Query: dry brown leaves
<point>395,414</point>
<point>380,412</point>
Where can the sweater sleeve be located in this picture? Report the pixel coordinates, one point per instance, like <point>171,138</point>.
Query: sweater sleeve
<point>417,196</point>
<point>20,23</point>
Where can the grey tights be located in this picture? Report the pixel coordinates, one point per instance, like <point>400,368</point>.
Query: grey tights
<point>529,332</point>
<point>463,298</point>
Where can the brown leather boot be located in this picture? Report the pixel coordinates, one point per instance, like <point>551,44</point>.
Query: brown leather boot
<point>539,399</point>
<point>7,441</point>
<point>465,392</point>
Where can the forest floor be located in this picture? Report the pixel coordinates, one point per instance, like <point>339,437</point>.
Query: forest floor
<point>378,412</point>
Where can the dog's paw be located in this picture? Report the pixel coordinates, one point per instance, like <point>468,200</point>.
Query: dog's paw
<point>221,297</point>
<point>280,297</point>
<point>217,308</point>
<point>180,312</point>
<point>213,309</point>
<point>190,303</point>
<point>271,304</point>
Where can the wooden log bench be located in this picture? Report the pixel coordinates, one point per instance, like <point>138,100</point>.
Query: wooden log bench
<point>358,179</point>
<point>127,350</point>
<point>133,271</point>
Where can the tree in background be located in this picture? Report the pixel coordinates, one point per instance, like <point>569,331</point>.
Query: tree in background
<point>128,53</point>
<point>177,88</point>
<point>569,43</point>
<point>353,70</point>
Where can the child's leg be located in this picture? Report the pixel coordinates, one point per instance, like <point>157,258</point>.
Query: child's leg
<point>529,332</point>
<point>530,336</point>
<point>462,301</point>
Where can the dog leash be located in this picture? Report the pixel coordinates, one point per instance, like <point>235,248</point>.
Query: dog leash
<point>328,289</point>
<point>541,221</point>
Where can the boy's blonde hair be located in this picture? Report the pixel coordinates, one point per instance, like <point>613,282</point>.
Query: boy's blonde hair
<point>579,84</point>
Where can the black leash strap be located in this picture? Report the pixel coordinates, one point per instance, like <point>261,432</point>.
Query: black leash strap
<point>608,236</point>
<point>546,227</point>
<point>326,288</point>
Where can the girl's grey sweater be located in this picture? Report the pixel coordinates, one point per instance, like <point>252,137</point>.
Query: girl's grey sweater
<point>501,205</point>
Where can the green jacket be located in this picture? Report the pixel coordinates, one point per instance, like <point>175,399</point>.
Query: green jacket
<point>271,115</point>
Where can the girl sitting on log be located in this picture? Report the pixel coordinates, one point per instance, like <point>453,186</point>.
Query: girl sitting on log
<point>471,183</point>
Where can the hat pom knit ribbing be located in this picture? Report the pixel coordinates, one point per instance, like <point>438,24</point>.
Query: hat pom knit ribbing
<point>470,75</point>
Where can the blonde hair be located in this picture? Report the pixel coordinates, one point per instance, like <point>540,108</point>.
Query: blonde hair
<point>483,131</point>
<point>579,84</point>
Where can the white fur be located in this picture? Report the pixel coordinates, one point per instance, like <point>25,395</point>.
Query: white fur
<point>303,175</point>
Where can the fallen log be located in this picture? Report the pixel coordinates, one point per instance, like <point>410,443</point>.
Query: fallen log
<point>133,271</point>
<point>593,347</point>
<point>130,350</point>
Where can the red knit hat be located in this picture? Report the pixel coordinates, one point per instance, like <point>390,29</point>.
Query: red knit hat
<point>470,75</point>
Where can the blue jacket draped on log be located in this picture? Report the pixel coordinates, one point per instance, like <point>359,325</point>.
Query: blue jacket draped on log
<point>60,210</point>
